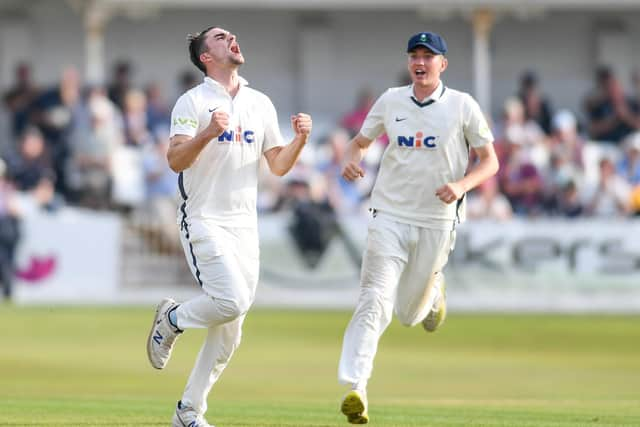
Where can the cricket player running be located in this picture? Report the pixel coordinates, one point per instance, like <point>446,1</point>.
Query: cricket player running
<point>416,202</point>
<point>219,131</point>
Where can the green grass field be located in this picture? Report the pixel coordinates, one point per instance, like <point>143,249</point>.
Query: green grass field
<point>87,366</point>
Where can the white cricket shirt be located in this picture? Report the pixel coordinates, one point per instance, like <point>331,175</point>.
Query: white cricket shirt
<point>428,147</point>
<point>221,185</point>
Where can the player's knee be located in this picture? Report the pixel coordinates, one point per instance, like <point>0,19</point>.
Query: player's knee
<point>231,309</point>
<point>374,308</point>
<point>408,321</point>
<point>406,316</point>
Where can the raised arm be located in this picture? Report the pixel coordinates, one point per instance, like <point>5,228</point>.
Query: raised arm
<point>281,159</point>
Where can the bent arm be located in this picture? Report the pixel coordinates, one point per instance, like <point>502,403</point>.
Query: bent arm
<point>355,152</point>
<point>281,159</point>
<point>184,150</point>
<point>486,167</point>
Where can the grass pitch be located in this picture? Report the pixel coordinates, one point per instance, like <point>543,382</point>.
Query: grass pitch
<point>87,367</point>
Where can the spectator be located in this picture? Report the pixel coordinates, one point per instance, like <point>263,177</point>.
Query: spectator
<point>566,162</point>
<point>160,179</point>
<point>634,99</point>
<point>525,133</point>
<point>313,223</point>
<point>635,201</point>
<point>611,197</point>
<point>565,138</point>
<point>9,232</point>
<point>135,119</point>
<point>90,164</point>
<point>487,202</point>
<point>536,106</point>
<point>608,110</point>
<point>158,112</point>
<point>55,112</point>
<point>567,202</point>
<point>161,201</point>
<point>352,121</point>
<point>520,179</point>
<point>629,164</point>
<point>19,97</point>
<point>31,164</point>
<point>121,84</point>
<point>187,80</point>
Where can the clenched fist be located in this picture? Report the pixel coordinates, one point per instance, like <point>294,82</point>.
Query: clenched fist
<point>352,171</point>
<point>301,124</point>
<point>450,192</point>
<point>219,122</point>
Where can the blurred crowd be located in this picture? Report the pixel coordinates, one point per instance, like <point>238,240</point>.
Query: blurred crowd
<point>104,148</point>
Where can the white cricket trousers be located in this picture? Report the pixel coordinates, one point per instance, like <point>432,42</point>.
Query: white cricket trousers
<point>225,262</point>
<point>401,271</point>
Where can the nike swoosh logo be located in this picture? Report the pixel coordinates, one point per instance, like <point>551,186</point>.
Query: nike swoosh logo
<point>400,119</point>
<point>211,111</point>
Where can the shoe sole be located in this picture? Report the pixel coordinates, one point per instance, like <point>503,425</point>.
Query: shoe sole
<point>434,321</point>
<point>353,407</point>
<point>159,311</point>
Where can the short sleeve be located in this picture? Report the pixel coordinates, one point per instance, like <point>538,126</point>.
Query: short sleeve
<point>373,125</point>
<point>476,129</point>
<point>272,136</point>
<point>184,117</point>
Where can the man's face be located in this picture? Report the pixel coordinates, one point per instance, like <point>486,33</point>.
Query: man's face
<point>222,48</point>
<point>425,66</point>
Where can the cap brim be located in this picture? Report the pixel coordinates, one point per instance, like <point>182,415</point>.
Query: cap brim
<point>427,45</point>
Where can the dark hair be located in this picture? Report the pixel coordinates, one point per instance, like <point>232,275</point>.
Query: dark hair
<point>603,74</point>
<point>197,46</point>
<point>528,79</point>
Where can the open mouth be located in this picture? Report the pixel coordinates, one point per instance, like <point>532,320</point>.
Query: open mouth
<point>235,48</point>
<point>420,73</point>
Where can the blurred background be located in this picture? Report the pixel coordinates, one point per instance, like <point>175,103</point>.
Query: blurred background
<point>543,286</point>
<point>88,203</point>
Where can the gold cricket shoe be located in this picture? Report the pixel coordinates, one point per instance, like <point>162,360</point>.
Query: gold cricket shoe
<point>438,312</point>
<point>354,406</point>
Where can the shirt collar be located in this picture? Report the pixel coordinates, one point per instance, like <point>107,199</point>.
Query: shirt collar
<point>436,95</point>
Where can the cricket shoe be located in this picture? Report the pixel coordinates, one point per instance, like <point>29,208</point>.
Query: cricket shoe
<point>188,417</point>
<point>438,312</point>
<point>354,406</point>
<point>162,336</point>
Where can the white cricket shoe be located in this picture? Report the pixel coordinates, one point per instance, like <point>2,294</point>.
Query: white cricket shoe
<point>188,417</point>
<point>162,336</point>
<point>354,406</point>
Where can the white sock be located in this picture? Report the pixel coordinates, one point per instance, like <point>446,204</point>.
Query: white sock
<point>360,386</point>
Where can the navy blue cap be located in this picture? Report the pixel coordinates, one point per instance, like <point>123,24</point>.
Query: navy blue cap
<point>431,41</point>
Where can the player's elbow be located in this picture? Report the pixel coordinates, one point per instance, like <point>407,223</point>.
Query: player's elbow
<point>491,163</point>
<point>279,171</point>
<point>494,165</point>
<point>174,164</point>
<point>279,168</point>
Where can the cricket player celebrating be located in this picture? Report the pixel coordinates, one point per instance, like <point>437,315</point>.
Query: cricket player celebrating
<point>416,202</point>
<point>219,131</point>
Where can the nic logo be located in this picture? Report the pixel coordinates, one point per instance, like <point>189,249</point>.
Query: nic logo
<point>229,136</point>
<point>417,141</point>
